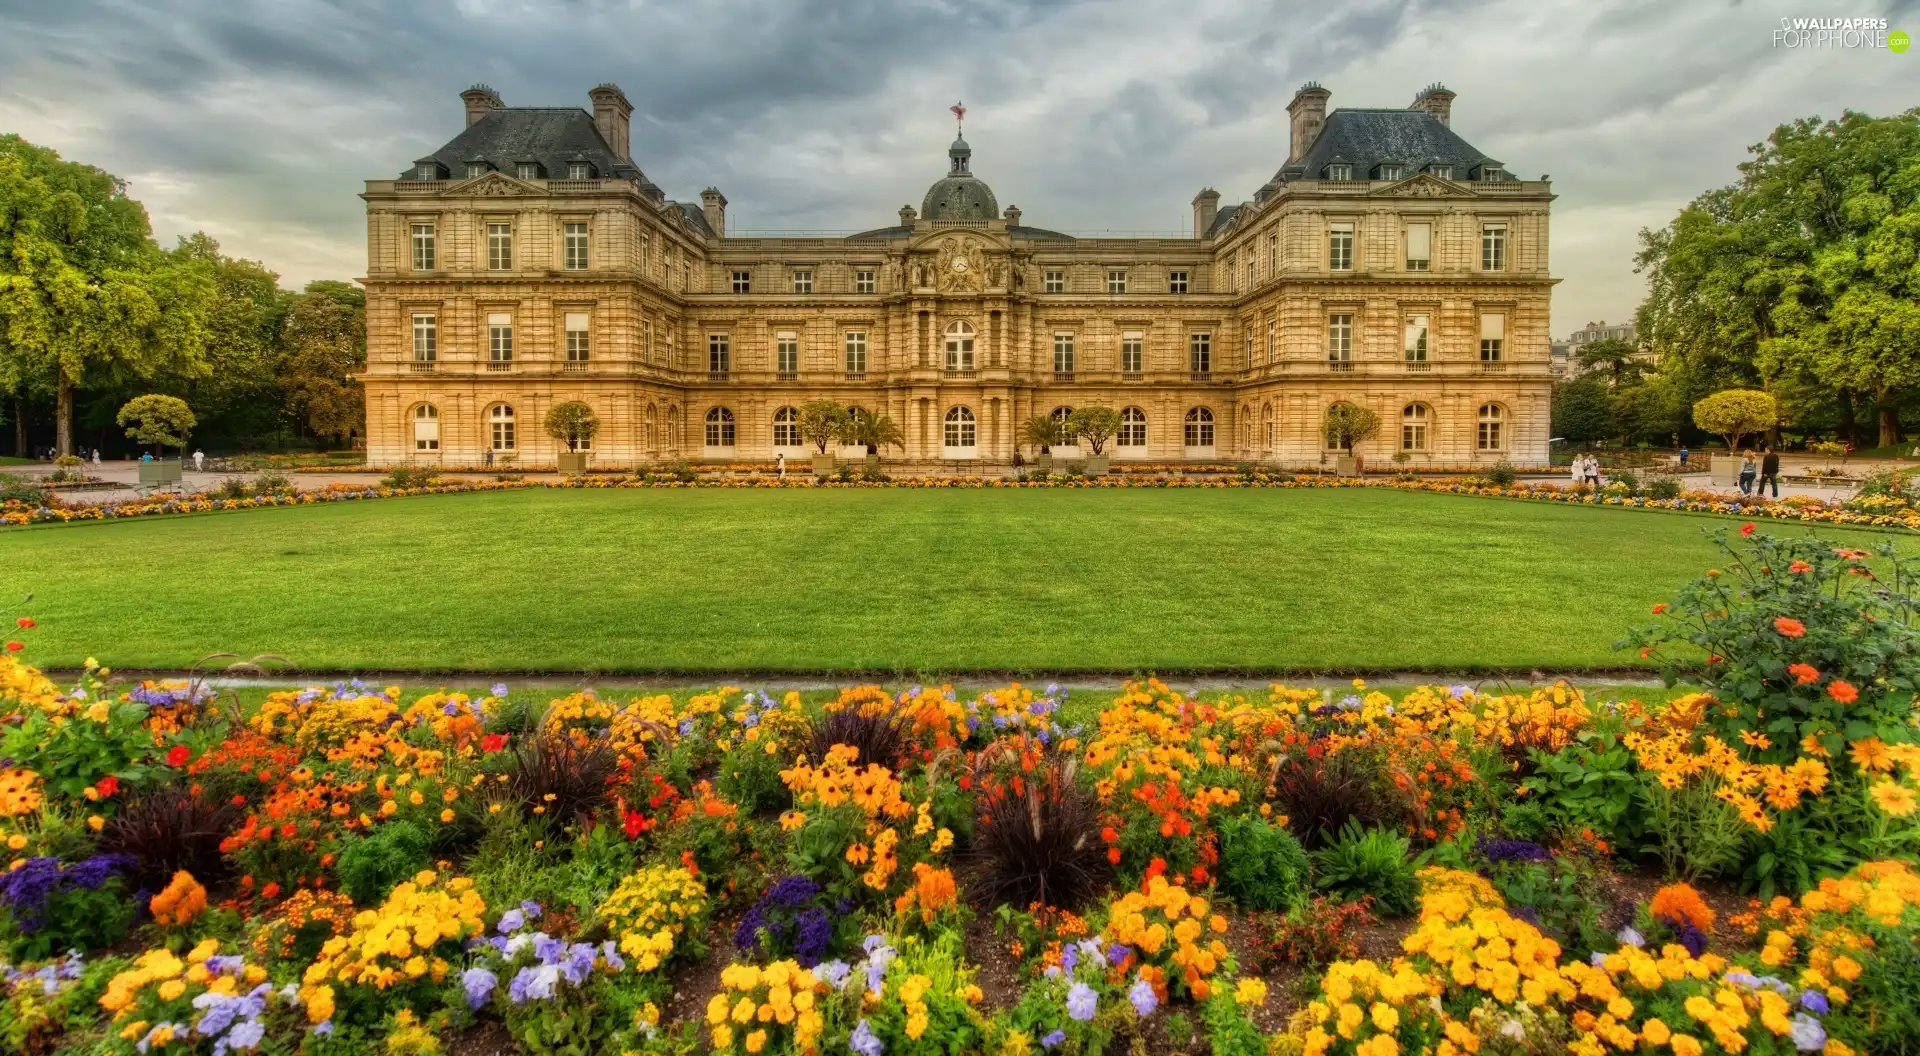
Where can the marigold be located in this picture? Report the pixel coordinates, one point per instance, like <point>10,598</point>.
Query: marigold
<point>1843,691</point>
<point>1803,674</point>
<point>1681,904</point>
<point>180,902</point>
<point>1895,800</point>
<point>1789,627</point>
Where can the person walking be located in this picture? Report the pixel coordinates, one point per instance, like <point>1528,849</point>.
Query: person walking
<point>780,465</point>
<point>1593,471</point>
<point>199,460</point>
<point>1769,472</point>
<point>96,458</point>
<point>1579,470</point>
<point>1683,458</point>
<point>1748,469</point>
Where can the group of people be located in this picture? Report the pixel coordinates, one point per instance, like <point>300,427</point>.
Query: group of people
<point>1586,470</point>
<point>1756,474</point>
<point>199,457</point>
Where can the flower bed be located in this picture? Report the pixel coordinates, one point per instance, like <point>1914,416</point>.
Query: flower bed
<point>359,870</point>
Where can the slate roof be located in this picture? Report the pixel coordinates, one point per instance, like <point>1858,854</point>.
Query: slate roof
<point>552,136</point>
<point>1366,139</point>
<point>1037,234</point>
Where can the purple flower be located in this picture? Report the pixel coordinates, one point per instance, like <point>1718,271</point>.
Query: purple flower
<point>1081,1001</point>
<point>1630,937</point>
<point>499,689</point>
<point>246,1034</point>
<point>1142,996</point>
<point>864,1042</point>
<point>1053,1039</point>
<point>531,909</point>
<point>833,973</point>
<point>1117,953</point>
<point>220,1011</point>
<point>323,1029</point>
<point>511,921</point>
<point>1512,850</point>
<point>1807,1033</point>
<point>479,984</point>
<point>1069,959</point>
<point>1814,1002</point>
<point>611,954</point>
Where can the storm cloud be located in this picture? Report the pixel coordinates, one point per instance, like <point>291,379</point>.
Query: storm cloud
<point>257,121</point>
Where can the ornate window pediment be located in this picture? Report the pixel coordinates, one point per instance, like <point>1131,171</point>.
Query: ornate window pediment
<point>1422,185</point>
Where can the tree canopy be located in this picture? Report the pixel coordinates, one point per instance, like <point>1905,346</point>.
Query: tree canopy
<point>1735,413</point>
<point>163,421</point>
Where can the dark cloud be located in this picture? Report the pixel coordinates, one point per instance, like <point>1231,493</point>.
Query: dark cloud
<point>257,120</point>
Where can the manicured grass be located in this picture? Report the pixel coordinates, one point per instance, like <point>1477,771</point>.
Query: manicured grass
<point>878,580</point>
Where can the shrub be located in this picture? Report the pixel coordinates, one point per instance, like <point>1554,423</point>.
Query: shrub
<point>1502,474</point>
<point>1039,841</point>
<point>1320,794</point>
<point>1733,413</point>
<point>559,777</point>
<point>411,477</point>
<point>157,420</point>
<point>16,488</point>
<point>233,488</point>
<point>1663,486</point>
<point>878,732</point>
<point>1320,931</point>
<point>1369,862</point>
<point>1261,866</point>
<point>167,830</point>
<point>272,482</point>
<point>371,864</point>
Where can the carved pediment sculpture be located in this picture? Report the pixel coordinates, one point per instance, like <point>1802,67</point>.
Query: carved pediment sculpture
<point>961,265</point>
<point>1422,185</point>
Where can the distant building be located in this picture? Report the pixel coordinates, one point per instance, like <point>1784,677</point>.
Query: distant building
<point>1565,355</point>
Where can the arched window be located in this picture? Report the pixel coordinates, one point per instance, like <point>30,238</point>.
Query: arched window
<point>1413,427</point>
<point>500,427</point>
<point>673,427</point>
<point>960,345</point>
<point>1199,427</point>
<point>1133,428</point>
<point>1060,416</point>
<point>1266,424</point>
<point>719,427</point>
<point>786,427</point>
<point>1493,433</point>
<point>961,433</point>
<point>426,428</point>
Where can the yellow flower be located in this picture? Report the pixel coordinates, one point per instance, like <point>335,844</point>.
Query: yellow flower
<point>1895,800</point>
<point>1254,992</point>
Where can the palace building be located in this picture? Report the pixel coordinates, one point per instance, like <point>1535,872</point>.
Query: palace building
<point>531,262</point>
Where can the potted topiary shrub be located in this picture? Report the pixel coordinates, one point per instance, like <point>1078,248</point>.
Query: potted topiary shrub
<point>1094,426</point>
<point>1043,432</point>
<point>822,424</point>
<point>162,421</point>
<point>873,432</point>
<point>1734,413</point>
<point>1345,426</point>
<point>573,424</point>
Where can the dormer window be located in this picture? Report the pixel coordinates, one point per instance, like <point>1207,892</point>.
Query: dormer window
<point>427,171</point>
<point>1340,171</point>
<point>476,169</point>
<point>1391,172</point>
<point>579,170</point>
<point>527,170</point>
<point>1444,172</point>
<point>1493,172</point>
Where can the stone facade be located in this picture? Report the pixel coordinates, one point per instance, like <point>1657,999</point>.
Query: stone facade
<point>529,263</point>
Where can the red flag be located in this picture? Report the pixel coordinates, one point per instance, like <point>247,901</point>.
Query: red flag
<point>959,111</point>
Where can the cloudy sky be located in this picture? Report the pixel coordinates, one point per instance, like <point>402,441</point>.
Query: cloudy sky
<point>257,120</point>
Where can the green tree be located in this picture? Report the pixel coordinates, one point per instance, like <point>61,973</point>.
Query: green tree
<point>572,423</point>
<point>1043,432</point>
<point>1095,425</point>
<point>85,295</point>
<point>1347,424</point>
<point>238,399</point>
<point>1621,360</point>
<point>874,431</point>
<point>1583,411</point>
<point>157,420</point>
<point>822,422</point>
<point>1734,413</point>
<point>324,340</point>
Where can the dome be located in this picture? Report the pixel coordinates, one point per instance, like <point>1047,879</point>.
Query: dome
<point>959,195</point>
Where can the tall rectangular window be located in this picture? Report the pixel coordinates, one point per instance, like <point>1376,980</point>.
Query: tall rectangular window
<point>856,352</point>
<point>573,245</point>
<point>1273,341</point>
<point>1340,247</point>
<point>1273,254</point>
<point>500,337</point>
<point>527,170</point>
<point>1200,353</point>
<point>743,282</point>
<point>1340,337</point>
<point>803,280</point>
<point>426,339</point>
<point>786,352</point>
<point>1250,278</point>
<point>500,247</point>
<point>578,345</point>
<point>1493,337</point>
<point>863,280</point>
<point>1493,247</point>
<point>1416,337</point>
<point>1176,282</point>
<point>718,361</point>
<point>1056,280</point>
<point>424,250</point>
<point>1063,353</point>
<point>1116,281</point>
<point>1132,351</point>
<point>645,244</point>
<point>1419,246</point>
<point>1247,328</point>
<point>646,341</point>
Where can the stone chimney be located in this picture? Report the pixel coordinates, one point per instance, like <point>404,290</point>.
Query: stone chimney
<point>481,101</point>
<point>1206,206</point>
<point>713,205</point>
<point>610,113</point>
<point>906,216</point>
<point>1307,114</point>
<point>1013,216</point>
<point>1435,99</point>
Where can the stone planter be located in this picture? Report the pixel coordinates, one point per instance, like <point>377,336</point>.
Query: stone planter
<point>573,461</point>
<point>1346,466</point>
<point>873,465</point>
<point>1725,471</point>
<point>823,465</point>
<point>160,471</point>
<point>1044,462</point>
<point>1097,465</point>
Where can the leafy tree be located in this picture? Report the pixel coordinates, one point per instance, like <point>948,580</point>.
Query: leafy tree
<point>1583,411</point>
<point>1043,432</point>
<point>239,398</point>
<point>874,431</point>
<point>572,423</point>
<point>1653,411</point>
<point>1622,360</point>
<point>1734,413</point>
<point>822,422</point>
<point>85,294</point>
<point>1095,425</point>
<point>1347,424</point>
<point>325,342</point>
<point>157,420</point>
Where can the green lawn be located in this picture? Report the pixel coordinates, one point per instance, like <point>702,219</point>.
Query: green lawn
<point>904,581</point>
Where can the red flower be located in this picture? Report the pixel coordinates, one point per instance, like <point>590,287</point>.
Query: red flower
<point>178,755</point>
<point>1803,673</point>
<point>686,859</point>
<point>635,824</point>
<point>25,623</point>
<point>1842,691</point>
<point>1746,529</point>
<point>16,645</point>
<point>1799,567</point>
<point>271,891</point>
<point>1789,627</point>
<point>107,786</point>
<point>1660,608</point>
<point>493,742</point>
<point>1113,855</point>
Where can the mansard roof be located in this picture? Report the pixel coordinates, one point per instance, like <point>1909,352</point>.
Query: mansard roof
<point>1367,138</point>
<point>550,136</point>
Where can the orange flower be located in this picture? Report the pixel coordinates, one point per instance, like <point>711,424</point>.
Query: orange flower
<point>1746,529</point>
<point>1842,691</point>
<point>1803,673</point>
<point>1799,567</point>
<point>1871,754</point>
<point>1660,608</point>
<point>1680,903</point>
<point>1789,627</point>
